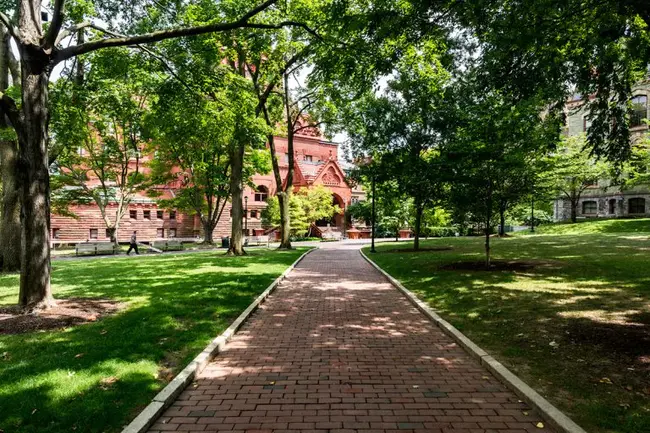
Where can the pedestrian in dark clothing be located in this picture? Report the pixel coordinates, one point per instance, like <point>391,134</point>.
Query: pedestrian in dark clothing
<point>133,245</point>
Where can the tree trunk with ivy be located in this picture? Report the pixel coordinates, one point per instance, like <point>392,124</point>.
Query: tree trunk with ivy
<point>10,201</point>
<point>236,179</point>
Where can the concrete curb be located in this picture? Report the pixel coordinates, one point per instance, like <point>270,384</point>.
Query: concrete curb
<point>168,394</point>
<point>552,415</point>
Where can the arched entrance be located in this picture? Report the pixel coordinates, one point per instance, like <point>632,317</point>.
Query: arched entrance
<point>338,220</point>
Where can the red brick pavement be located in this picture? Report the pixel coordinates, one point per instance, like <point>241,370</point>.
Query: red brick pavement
<point>337,349</point>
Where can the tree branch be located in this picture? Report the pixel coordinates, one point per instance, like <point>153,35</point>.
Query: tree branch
<point>71,30</point>
<point>4,19</point>
<point>55,25</point>
<point>9,108</point>
<point>160,35</point>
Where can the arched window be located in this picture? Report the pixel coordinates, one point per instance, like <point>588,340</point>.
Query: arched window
<point>589,207</point>
<point>262,193</point>
<point>636,205</point>
<point>612,206</point>
<point>639,110</point>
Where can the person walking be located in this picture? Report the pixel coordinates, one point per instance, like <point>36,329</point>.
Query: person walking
<point>133,245</point>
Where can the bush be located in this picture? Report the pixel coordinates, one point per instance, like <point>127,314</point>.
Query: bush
<point>439,232</point>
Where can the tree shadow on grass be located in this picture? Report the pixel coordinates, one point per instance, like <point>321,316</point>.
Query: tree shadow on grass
<point>95,377</point>
<point>563,328</point>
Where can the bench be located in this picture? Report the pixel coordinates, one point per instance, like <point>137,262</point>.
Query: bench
<point>331,236</point>
<point>258,240</point>
<point>95,248</point>
<point>168,245</point>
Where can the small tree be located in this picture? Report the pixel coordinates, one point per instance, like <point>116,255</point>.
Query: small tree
<point>493,153</point>
<point>571,170</point>
<point>100,142</point>
<point>307,206</point>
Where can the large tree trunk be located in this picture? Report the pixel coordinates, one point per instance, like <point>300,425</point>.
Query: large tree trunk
<point>112,234</point>
<point>574,211</point>
<point>285,220</point>
<point>418,223</point>
<point>35,290</point>
<point>236,176</point>
<point>488,224</point>
<point>10,220</point>
<point>502,221</point>
<point>208,235</point>
<point>10,216</point>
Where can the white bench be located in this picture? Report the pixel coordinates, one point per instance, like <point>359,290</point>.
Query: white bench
<point>95,248</point>
<point>168,245</point>
<point>258,240</point>
<point>331,236</point>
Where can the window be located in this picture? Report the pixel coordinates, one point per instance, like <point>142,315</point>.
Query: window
<point>171,233</point>
<point>172,214</point>
<point>160,233</point>
<point>56,233</point>
<point>253,214</point>
<point>308,158</point>
<point>159,214</point>
<point>285,157</point>
<point>636,205</point>
<point>355,200</point>
<point>93,234</point>
<point>262,193</point>
<point>639,110</point>
<point>133,214</point>
<point>612,206</point>
<point>146,214</point>
<point>586,123</point>
<point>589,207</point>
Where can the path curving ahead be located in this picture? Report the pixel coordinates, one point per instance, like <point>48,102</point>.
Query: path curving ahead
<point>336,348</point>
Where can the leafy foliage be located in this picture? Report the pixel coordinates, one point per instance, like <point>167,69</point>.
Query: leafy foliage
<point>99,133</point>
<point>306,206</point>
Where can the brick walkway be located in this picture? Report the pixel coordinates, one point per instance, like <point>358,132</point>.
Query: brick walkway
<point>337,349</point>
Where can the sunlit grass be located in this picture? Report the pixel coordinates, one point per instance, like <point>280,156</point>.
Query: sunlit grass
<point>581,314</point>
<point>597,225</point>
<point>95,377</point>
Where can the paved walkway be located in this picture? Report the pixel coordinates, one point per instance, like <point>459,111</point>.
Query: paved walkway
<point>337,349</point>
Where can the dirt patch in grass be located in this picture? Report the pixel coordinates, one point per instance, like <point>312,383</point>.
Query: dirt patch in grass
<point>499,265</point>
<point>421,250</point>
<point>67,312</point>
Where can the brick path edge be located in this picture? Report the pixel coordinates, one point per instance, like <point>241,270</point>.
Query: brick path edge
<point>168,394</point>
<point>552,415</point>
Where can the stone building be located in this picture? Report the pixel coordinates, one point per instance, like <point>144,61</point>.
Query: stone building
<point>315,163</point>
<point>605,199</point>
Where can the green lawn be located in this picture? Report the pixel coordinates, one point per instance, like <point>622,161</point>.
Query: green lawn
<point>576,326</point>
<point>640,225</point>
<point>96,377</point>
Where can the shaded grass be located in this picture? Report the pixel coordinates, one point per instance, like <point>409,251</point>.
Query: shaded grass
<point>96,377</point>
<point>576,328</point>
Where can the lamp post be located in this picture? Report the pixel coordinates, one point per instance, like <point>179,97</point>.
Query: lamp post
<point>532,209</point>
<point>374,216</point>
<point>246,215</point>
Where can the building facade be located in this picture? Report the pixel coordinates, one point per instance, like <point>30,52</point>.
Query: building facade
<point>315,163</point>
<point>605,199</point>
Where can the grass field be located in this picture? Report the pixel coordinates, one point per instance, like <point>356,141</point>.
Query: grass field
<point>96,377</point>
<point>640,225</point>
<point>572,318</point>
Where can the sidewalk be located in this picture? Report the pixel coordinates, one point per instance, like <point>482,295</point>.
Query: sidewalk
<point>338,349</point>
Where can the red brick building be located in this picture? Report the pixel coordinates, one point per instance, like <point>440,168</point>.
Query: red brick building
<point>315,163</point>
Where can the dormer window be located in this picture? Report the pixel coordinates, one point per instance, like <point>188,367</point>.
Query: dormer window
<point>262,193</point>
<point>639,111</point>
